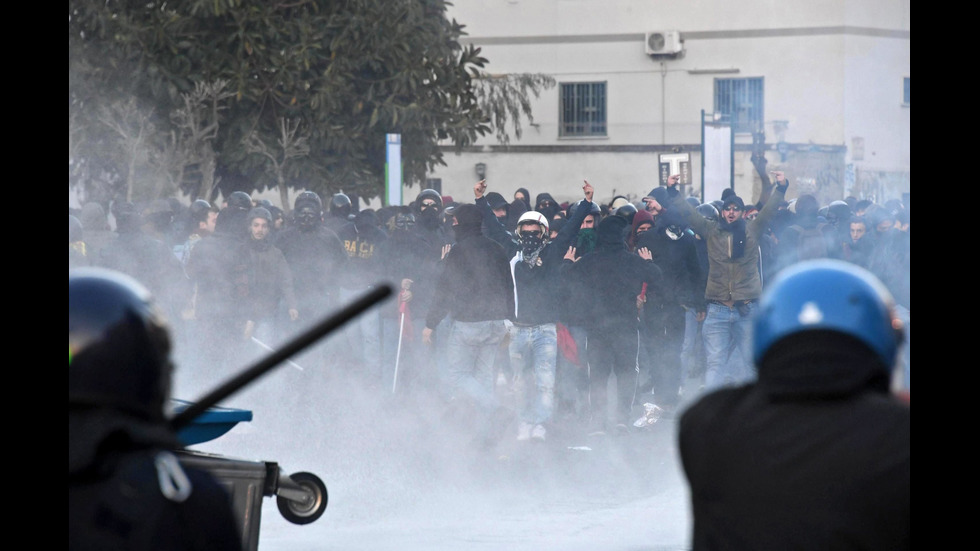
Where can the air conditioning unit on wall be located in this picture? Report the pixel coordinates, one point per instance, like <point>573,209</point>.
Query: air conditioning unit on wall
<point>663,43</point>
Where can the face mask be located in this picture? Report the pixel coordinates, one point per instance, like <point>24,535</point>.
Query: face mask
<point>531,243</point>
<point>306,219</point>
<point>674,232</point>
<point>429,217</point>
<point>404,222</point>
<point>586,241</point>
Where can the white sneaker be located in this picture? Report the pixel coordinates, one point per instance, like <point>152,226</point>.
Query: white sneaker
<point>538,433</point>
<point>523,431</point>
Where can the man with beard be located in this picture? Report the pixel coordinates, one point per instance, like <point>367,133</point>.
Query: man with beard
<point>734,280</point>
<point>270,281</point>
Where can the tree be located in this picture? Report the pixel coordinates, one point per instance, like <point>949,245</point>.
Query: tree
<point>292,144</point>
<point>349,72</point>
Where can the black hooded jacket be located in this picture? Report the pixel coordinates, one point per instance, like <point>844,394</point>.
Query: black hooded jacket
<point>607,281</point>
<point>815,455</point>
<point>475,284</point>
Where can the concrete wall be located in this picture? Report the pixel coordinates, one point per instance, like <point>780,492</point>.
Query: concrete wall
<point>833,72</point>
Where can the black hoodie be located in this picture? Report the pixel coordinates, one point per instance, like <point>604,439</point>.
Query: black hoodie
<point>610,278</point>
<point>475,284</point>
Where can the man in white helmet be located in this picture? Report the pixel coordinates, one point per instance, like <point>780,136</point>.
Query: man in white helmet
<point>535,264</point>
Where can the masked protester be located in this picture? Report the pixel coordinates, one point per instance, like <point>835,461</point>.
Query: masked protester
<point>317,260</point>
<point>607,283</point>
<point>533,347</point>
<point>476,290</point>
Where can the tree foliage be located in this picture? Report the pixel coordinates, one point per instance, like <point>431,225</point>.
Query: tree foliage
<point>344,72</point>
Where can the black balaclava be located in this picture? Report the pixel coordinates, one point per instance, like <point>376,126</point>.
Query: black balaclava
<point>429,216</point>
<point>673,224</point>
<point>546,205</point>
<point>404,221</point>
<point>308,217</point>
<point>527,198</point>
<point>469,221</point>
<point>611,233</point>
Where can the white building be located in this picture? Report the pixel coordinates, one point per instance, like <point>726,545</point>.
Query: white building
<point>827,83</point>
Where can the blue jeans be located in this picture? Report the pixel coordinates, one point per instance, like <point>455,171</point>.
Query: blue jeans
<point>471,348</point>
<point>535,348</point>
<point>728,345</point>
<point>692,351</point>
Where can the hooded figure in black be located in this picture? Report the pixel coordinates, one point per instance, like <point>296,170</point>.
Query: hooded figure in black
<point>476,290</point>
<point>611,279</point>
<point>402,263</point>
<point>674,250</point>
<point>546,205</point>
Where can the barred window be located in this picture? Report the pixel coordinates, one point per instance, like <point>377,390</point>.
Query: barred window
<point>741,99</point>
<point>583,109</point>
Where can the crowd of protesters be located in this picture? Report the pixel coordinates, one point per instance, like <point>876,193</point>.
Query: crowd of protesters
<point>519,313</point>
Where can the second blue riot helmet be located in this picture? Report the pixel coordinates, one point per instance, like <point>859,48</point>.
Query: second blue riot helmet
<point>831,296</point>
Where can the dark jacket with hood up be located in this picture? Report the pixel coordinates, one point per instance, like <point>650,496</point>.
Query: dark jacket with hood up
<point>475,284</point>
<point>814,455</point>
<point>537,283</point>
<point>607,280</point>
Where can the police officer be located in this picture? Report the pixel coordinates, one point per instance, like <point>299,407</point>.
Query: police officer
<point>815,454</point>
<point>126,489</point>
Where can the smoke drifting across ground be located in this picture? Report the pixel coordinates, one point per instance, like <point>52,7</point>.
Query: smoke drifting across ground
<point>409,472</point>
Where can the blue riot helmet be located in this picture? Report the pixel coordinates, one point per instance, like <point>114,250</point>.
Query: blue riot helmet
<point>828,296</point>
<point>118,345</point>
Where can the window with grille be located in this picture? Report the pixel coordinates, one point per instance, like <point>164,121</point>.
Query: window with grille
<point>741,100</point>
<point>583,109</point>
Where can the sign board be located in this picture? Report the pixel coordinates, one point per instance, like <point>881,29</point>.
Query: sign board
<point>717,158</point>
<point>393,169</point>
<point>675,163</point>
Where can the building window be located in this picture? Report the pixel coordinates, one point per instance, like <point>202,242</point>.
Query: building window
<point>741,100</point>
<point>908,94</point>
<point>583,109</point>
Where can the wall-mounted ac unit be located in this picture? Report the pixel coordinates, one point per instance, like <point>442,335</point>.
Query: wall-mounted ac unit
<point>663,43</point>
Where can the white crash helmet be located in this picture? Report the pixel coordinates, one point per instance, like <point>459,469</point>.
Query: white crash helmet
<point>533,216</point>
